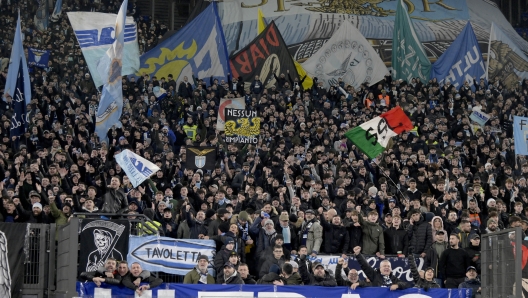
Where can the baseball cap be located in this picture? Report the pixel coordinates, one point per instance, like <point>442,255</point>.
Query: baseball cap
<point>471,268</point>
<point>229,264</point>
<point>474,236</point>
<point>309,211</point>
<point>440,232</point>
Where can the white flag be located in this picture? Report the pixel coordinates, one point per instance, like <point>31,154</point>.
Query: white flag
<point>346,55</point>
<point>505,60</point>
<point>136,167</point>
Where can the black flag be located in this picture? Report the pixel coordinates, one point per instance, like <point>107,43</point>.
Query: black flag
<point>100,240</point>
<point>201,158</point>
<point>12,256</point>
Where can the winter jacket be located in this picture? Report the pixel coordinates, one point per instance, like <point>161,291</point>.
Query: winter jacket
<point>268,262</point>
<point>193,276</point>
<point>335,237</point>
<point>309,279</point>
<point>234,279</point>
<point>146,277</point>
<point>432,258</point>
<point>375,277</point>
<point>433,231</point>
<point>294,279</point>
<point>473,284</point>
<point>396,241</point>
<point>420,235</point>
<point>222,257</point>
<point>373,239</point>
<point>262,240</point>
<point>249,280</point>
<point>315,236</point>
<point>195,228</point>
<point>346,282</point>
<point>418,281</point>
<point>101,272</point>
<point>114,201</point>
<point>355,236</point>
<point>269,278</point>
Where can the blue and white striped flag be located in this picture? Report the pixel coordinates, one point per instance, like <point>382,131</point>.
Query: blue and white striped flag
<point>109,69</point>
<point>95,34</point>
<point>136,167</point>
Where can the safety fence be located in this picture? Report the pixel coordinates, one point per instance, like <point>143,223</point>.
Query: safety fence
<point>501,263</point>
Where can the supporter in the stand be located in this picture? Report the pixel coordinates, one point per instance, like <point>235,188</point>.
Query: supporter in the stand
<point>420,233</point>
<point>122,269</point>
<point>471,281</point>
<point>427,281</point>
<point>379,278</point>
<point>396,238</point>
<point>311,233</point>
<point>273,277</point>
<point>222,256</point>
<point>138,276</point>
<point>434,253</point>
<point>373,239</point>
<point>243,270</point>
<point>319,277</point>
<point>107,274</point>
<point>199,274</point>
<point>352,274</point>
<point>276,258</point>
<point>453,263</point>
<point>230,276</point>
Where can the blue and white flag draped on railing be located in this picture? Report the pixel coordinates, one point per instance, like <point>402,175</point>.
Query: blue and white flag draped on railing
<point>109,69</point>
<point>174,256</point>
<point>95,34</point>
<point>462,61</point>
<point>38,58</point>
<point>136,167</point>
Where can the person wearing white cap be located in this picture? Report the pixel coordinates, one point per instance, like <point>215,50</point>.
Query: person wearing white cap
<point>36,216</point>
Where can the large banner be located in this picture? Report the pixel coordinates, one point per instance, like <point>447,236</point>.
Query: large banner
<point>462,61</point>
<point>100,240</point>
<point>189,52</point>
<point>265,56</point>
<point>349,56</point>
<point>242,126</point>
<point>89,290</point>
<point>506,61</point>
<point>95,34</point>
<point>174,256</point>
<point>12,258</point>
<point>225,103</point>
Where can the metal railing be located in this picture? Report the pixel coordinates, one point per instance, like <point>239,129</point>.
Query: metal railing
<point>501,270</point>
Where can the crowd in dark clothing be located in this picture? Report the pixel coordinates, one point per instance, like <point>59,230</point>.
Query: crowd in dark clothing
<point>303,190</point>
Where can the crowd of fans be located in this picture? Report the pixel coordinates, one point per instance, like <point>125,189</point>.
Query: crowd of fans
<point>303,190</point>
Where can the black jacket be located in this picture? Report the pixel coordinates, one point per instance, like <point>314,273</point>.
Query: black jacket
<point>269,278</point>
<point>395,241</point>
<point>309,279</point>
<point>432,258</point>
<point>235,279</point>
<point>90,275</point>
<point>375,277</point>
<point>355,236</point>
<point>346,282</point>
<point>146,277</point>
<point>336,238</point>
<point>114,201</point>
<point>421,236</point>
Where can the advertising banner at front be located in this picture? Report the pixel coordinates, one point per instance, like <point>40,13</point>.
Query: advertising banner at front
<point>174,256</point>
<point>89,290</point>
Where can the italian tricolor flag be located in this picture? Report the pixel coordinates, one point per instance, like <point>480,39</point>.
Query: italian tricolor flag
<point>373,136</point>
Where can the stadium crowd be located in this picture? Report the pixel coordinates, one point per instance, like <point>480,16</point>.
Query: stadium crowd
<point>303,190</point>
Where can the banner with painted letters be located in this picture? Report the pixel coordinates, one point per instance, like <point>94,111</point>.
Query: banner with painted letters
<point>89,290</point>
<point>480,117</point>
<point>95,34</point>
<point>241,126</point>
<point>461,62</point>
<point>136,167</point>
<point>38,58</point>
<point>225,103</point>
<point>174,256</point>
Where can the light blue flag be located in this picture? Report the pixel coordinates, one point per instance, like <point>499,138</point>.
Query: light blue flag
<point>42,15</point>
<point>95,34</point>
<point>109,69</point>
<point>57,11</point>
<point>17,56</point>
<point>520,134</point>
<point>136,167</point>
<point>187,52</point>
<point>462,61</point>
